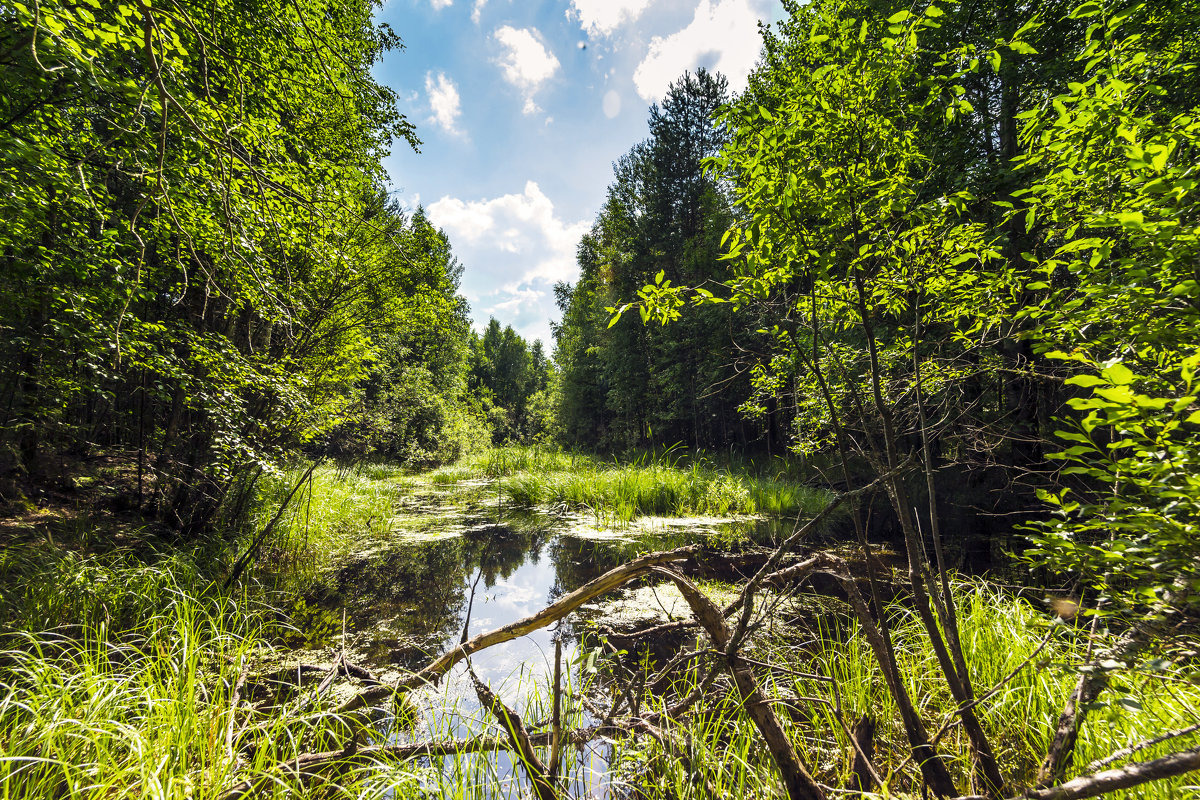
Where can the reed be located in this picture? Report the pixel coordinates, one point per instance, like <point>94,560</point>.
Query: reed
<point>662,484</point>
<point>999,633</point>
<point>330,515</point>
<point>118,679</point>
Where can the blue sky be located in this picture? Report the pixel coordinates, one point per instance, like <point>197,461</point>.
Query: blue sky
<point>522,106</point>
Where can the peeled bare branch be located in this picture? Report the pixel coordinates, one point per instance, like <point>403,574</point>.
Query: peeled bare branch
<point>551,613</point>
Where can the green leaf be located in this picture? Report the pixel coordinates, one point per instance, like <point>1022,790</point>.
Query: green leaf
<point>1118,374</point>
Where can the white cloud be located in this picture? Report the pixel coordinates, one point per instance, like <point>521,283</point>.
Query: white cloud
<point>443,102</point>
<point>438,5</point>
<point>477,10</point>
<point>515,242</point>
<point>602,17</point>
<point>523,224</point>
<point>722,36</point>
<point>526,62</point>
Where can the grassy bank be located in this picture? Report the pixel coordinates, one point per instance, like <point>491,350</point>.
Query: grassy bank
<point>653,485</point>
<point>835,669</point>
<point>124,675</point>
<point>331,513</point>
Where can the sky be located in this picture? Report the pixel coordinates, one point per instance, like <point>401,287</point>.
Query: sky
<point>522,107</point>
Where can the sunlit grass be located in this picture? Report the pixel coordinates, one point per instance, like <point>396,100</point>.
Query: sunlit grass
<point>652,485</point>
<point>117,679</point>
<point>331,514</point>
<point>998,633</point>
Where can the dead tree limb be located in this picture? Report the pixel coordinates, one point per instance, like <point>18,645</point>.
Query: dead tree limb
<point>551,613</point>
<point>1125,777</point>
<point>518,739</point>
<point>1125,752</point>
<point>797,780</point>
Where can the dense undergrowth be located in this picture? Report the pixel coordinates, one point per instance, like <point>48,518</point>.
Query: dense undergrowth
<point>833,674</point>
<point>128,675</point>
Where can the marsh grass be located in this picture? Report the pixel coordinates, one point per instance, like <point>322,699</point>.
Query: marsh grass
<point>652,484</point>
<point>999,632</point>
<point>115,675</point>
<point>117,680</point>
<point>335,512</point>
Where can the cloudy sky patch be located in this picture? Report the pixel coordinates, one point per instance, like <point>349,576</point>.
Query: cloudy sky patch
<point>522,109</point>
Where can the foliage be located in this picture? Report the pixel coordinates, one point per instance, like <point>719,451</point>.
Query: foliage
<point>198,261</point>
<point>413,406</point>
<point>510,379</point>
<point>1116,164</point>
<point>625,386</point>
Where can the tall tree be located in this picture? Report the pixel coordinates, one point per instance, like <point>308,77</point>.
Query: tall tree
<point>192,246</point>
<point>625,385</point>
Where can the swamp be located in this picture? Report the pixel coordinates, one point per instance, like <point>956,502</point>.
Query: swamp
<point>846,444</point>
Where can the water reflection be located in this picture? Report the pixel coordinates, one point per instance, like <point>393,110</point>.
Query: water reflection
<point>408,600</point>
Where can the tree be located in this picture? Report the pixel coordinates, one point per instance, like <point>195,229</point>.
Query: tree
<point>506,373</point>
<point>892,296</point>
<point>192,234</point>
<point>625,385</point>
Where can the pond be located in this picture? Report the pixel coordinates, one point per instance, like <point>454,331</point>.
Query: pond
<point>456,562</point>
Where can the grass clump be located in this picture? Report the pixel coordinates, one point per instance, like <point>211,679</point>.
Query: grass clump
<point>331,514</point>
<point>118,678</point>
<point>652,485</point>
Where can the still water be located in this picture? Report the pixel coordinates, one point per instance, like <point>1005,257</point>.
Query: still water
<point>455,560</point>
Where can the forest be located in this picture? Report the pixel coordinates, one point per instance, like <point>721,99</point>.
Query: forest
<point>864,459</point>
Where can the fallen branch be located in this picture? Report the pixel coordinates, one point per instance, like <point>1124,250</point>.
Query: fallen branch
<point>797,780</point>
<point>518,739</point>
<point>1125,777</point>
<point>551,613</point>
<point>1128,751</point>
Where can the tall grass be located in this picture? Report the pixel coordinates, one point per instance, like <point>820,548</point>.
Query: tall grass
<point>998,632</point>
<point>664,484</point>
<point>330,515</point>
<point>117,679</point>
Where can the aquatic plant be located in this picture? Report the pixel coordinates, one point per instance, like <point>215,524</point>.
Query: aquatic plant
<point>663,484</point>
<point>832,680</point>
